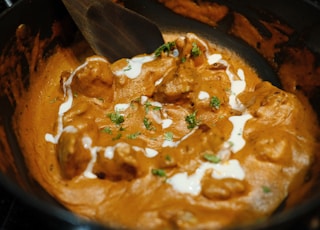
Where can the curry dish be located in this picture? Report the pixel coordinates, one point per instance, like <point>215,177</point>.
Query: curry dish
<point>186,137</point>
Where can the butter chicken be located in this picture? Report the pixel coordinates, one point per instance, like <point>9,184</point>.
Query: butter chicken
<point>188,137</point>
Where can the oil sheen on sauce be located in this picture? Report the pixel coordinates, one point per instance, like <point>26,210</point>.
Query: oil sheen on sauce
<point>181,182</point>
<point>178,139</point>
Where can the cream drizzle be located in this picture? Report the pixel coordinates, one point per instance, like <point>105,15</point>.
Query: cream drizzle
<point>165,123</point>
<point>237,87</point>
<point>236,138</point>
<point>109,150</point>
<point>148,152</point>
<point>143,99</point>
<point>238,83</point>
<point>158,82</point>
<point>172,144</point>
<point>184,183</point>
<point>87,142</point>
<point>66,106</point>
<point>203,95</point>
<point>133,69</point>
<point>213,58</point>
<point>121,107</point>
<point>109,153</point>
<point>228,168</point>
<point>181,181</point>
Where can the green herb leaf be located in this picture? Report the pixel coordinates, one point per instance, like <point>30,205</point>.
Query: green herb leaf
<point>158,172</point>
<point>195,51</point>
<point>147,123</point>
<point>147,106</point>
<point>266,189</point>
<point>167,47</point>
<point>133,135</point>
<point>168,136</point>
<point>116,118</point>
<point>129,67</point>
<point>168,158</point>
<point>119,135</point>
<point>211,158</point>
<point>215,102</point>
<point>183,59</point>
<point>191,120</point>
<point>107,130</point>
<point>230,144</point>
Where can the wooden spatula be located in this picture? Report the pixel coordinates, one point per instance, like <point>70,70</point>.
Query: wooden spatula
<point>112,30</point>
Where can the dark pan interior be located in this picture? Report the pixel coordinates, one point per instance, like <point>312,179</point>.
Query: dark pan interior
<point>39,16</point>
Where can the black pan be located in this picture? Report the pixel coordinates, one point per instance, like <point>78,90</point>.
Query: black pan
<point>302,17</point>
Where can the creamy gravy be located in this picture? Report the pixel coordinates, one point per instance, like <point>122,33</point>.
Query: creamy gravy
<point>188,137</point>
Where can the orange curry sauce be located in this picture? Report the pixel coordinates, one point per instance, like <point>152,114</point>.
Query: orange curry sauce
<point>186,137</point>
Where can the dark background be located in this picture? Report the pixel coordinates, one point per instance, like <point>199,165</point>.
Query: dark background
<point>15,214</point>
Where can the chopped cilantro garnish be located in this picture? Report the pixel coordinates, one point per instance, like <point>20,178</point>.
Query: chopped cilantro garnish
<point>147,123</point>
<point>230,144</point>
<point>147,106</point>
<point>164,48</point>
<point>119,135</point>
<point>191,120</point>
<point>211,158</point>
<point>266,189</point>
<point>107,130</point>
<point>116,118</point>
<point>133,135</point>
<point>168,136</point>
<point>129,67</point>
<point>183,59</point>
<point>195,51</point>
<point>158,172</point>
<point>215,102</point>
<point>136,100</point>
<point>168,158</point>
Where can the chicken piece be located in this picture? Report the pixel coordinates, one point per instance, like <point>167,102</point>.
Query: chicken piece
<point>95,80</point>
<point>123,165</point>
<point>222,189</point>
<point>176,85</point>
<point>73,157</point>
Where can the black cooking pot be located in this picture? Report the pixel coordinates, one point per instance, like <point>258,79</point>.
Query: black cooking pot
<point>38,16</point>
